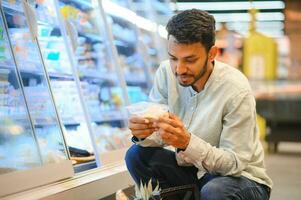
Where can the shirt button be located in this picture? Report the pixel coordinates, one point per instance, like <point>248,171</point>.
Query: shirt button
<point>191,108</point>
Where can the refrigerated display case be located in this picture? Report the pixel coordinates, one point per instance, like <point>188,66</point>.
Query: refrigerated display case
<point>153,45</point>
<point>30,135</point>
<point>63,95</point>
<point>159,11</point>
<point>148,46</point>
<point>99,79</point>
<point>34,80</point>
<point>80,75</point>
<point>15,122</point>
<point>63,83</point>
<point>131,54</point>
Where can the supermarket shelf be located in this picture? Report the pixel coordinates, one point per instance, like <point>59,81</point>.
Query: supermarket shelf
<point>109,116</point>
<point>51,74</point>
<point>44,121</point>
<point>96,54</point>
<point>50,39</point>
<point>20,118</point>
<point>86,57</point>
<point>93,36</point>
<point>47,24</point>
<point>36,72</point>
<point>81,4</point>
<point>60,75</point>
<point>69,121</point>
<point>26,71</point>
<point>101,117</point>
<point>7,66</point>
<point>135,82</point>
<point>13,6</point>
<point>122,41</point>
<point>95,74</point>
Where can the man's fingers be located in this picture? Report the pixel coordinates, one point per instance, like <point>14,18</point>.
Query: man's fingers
<point>173,116</point>
<point>134,126</point>
<point>167,137</point>
<point>142,120</point>
<point>143,133</point>
<point>172,121</point>
<point>176,119</point>
<point>169,128</point>
<point>139,120</point>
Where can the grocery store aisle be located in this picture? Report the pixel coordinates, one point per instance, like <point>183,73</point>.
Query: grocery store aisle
<point>284,168</point>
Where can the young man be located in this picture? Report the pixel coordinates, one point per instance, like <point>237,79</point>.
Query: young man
<point>211,125</point>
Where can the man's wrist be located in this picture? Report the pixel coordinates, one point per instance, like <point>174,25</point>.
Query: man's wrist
<point>179,149</point>
<point>135,139</point>
<point>187,142</point>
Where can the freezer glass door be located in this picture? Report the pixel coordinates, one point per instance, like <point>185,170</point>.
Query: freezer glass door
<point>152,44</point>
<point>97,71</point>
<point>132,58</point>
<point>63,83</point>
<point>17,143</point>
<point>36,88</point>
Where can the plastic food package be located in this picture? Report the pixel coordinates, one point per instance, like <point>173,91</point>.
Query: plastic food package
<point>147,110</point>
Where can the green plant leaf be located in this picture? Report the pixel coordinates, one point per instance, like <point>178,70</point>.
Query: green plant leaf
<point>146,191</point>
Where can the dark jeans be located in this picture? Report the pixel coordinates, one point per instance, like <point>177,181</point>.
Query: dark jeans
<point>158,164</point>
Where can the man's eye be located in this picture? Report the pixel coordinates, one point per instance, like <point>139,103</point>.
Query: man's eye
<point>172,58</point>
<point>191,61</point>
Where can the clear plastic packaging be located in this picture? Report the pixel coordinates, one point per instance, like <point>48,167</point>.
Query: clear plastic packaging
<point>147,110</point>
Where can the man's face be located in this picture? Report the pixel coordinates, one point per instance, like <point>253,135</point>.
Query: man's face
<point>189,62</point>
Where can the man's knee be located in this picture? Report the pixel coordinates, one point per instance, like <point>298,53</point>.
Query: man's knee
<point>132,154</point>
<point>137,154</point>
<point>213,190</point>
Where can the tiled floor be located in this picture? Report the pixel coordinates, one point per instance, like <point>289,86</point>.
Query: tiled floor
<point>284,168</point>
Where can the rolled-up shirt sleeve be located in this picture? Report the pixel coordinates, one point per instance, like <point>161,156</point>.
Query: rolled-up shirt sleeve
<point>183,160</point>
<point>154,140</point>
<point>236,140</point>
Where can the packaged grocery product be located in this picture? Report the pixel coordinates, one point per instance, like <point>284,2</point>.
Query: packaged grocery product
<point>147,110</point>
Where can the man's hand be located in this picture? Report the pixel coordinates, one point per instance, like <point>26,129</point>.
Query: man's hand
<point>173,132</point>
<point>141,127</point>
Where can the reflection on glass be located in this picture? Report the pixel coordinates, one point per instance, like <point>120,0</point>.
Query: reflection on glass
<point>148,40</point>
<point>36,90</point>
<point>130,55</point>
<point>62,82</point>
<point>18,150</point>
<point>98,76</point>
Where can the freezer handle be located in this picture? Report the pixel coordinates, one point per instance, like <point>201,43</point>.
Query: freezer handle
<point>72,33</point>
<point>31,18</point>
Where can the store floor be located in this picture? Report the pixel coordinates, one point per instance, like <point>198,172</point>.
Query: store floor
<point>284,167</point>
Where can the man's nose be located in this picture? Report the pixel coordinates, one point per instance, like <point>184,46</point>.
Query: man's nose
<point>181,68</point>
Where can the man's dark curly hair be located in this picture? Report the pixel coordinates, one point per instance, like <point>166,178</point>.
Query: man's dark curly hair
<point>191,26</point>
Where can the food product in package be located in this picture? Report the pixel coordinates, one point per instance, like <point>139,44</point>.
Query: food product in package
<point>148,110</point>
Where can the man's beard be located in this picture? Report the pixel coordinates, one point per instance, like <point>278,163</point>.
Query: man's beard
<point>198,76</point>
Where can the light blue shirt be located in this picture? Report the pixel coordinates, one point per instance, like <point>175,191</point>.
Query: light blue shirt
<point>221,119</point>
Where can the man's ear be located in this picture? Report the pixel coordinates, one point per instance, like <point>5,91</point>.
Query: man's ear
<point>212,53</point>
